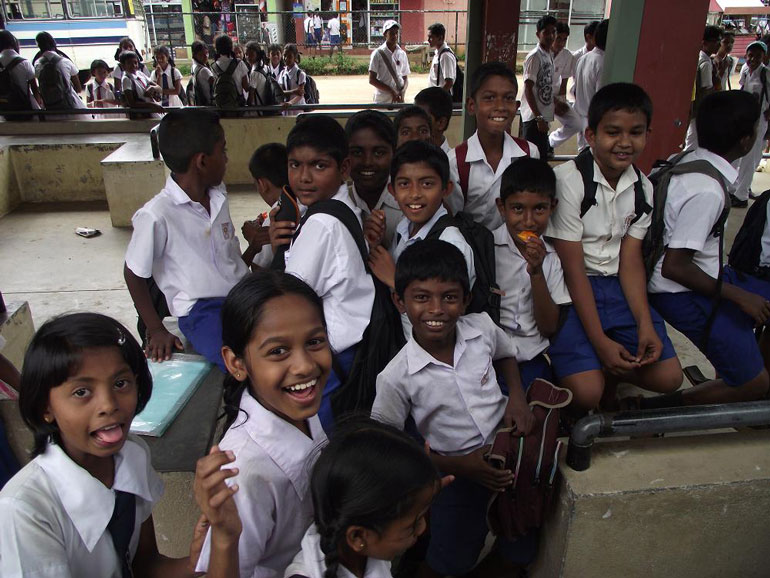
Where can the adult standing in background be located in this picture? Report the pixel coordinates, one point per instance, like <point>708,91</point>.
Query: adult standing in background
<point>443,70</point>
<point>389,67</point>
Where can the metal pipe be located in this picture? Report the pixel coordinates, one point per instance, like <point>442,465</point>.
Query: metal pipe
<point>654,421</point>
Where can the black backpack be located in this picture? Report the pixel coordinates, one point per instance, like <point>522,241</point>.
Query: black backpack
<point>226,93</point>
<point>457,86</point>
<point>486,295</point>
<point>270,95</point>
<point>312,95</point>
<point>54,85</point>
<point>196,96</point>
<point>12,97</point>
<point>747,246</point>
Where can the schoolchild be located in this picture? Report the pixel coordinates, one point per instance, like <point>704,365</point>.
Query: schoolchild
<point>564,68</point>
<point>83,505</point>
<point>528,269</point>
<point>704,79</point>
<point>443,68</point>
<point>491,149</point>
<point>268,168</point>
<point>22,75</point>
<point>100,93</point>
<point>333,24</point>
<point>185,240</point>
<point>537,105</point>
<point>445,378</point>
<point>167,77</point>
<point>588,78</point>
<point>126,45</point>
<point>754,80</point>
<point>292,79</point>
<point>389,67</point>
<point>240,72</point>
<point>309,36</point>
<point>276,65</point>
<point>203,78</point>
<point>412,123</point>
<point>438,104</point>
<point>318,27</point>
<point>610,326</point>
<point>323,252</point>
<point>65,90</point>
<point>371,142</point>
<point>724,64</point>
<point>589,30</point>
<point>277,354</point>
<point>259,81</point>
<point>138,91</point>
<point>684,283</point>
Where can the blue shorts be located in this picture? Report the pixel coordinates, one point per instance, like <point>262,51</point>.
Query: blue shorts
<point>458,529</point>
<point>529,371</point>
<point>732,348</point>
<point>343,360</point>
<point>334,39</point>
<point>318,32</point>
<point>571,352</point>
<point>202,326</point>
<point>309,39</point>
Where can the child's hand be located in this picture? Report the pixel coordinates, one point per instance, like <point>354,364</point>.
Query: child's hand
<point>214,497</point>
<point>475,467</point>
<point>560,107</point>
<point>615,358</point>
<point>755,306</point>
<point>374,228</point>
<point>650,346</point>
<point>542,126</point>
<point>534,255</point>
<point>255,235</point>
<point>161,344</point>
<point>520,418</point>
<point>280,232</point>
<point>382,265</point>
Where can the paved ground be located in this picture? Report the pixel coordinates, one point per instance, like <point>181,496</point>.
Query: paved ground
<point>356,89</point>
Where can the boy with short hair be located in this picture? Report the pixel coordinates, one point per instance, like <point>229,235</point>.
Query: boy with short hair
<point>412,123</point>
<point>437,102</point>
<point>537,106</point>
<point>185,240</point>
<point>203,78</point>
<point>724,64</point>
<point>684,283</point>
<point>389,67</point>
<point>589,30</point>
<point>529,272</point>
<point>443,69</point>
<point>704,81</point>
<point>322,251</point>
<point>477,165</point>
<point>588,78</point>
<point>334,34</point>
<point>445,378</point>
<point>598,237</point>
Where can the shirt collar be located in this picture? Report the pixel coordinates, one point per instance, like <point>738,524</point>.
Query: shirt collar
<point>402,228</point>
<point>475,153</point>
<point>385,199</point>
<point>217,195</point>
<point>626,180</point>
<point>417,358</point>
<point>727,170</point>
<point>87,501</point>
<point>285,444</point>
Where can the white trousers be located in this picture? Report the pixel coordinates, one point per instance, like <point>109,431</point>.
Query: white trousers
<point>750,162</point>
<point>571,124</point>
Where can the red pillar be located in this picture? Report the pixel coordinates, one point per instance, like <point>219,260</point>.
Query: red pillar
<point>500,34</point>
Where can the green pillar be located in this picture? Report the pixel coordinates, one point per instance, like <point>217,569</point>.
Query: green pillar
<point>623,41</point>
<point>189,28</point>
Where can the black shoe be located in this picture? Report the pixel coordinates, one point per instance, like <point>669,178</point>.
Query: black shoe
<point>736,203</point>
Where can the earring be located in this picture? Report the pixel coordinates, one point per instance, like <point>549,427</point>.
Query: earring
<point>361,546</point>
<point>48,419</point>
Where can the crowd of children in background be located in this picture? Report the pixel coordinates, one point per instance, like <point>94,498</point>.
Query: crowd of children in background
<point>502,269</point>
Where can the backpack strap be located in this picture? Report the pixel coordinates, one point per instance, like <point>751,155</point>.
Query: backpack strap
<point>705,168</point>
<point>387,58</point>
<point>232,66</point>
<point>641,206</point>
<point>585,165</point>
<point>523,144</point>
<point>346,216</point>
<point>439,226</point>
<point>440,52</point>
<point>13,63</point>
<point>463,168</point>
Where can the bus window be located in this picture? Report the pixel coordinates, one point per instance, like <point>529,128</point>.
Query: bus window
<point>32,9</point>
<point>94,8</point>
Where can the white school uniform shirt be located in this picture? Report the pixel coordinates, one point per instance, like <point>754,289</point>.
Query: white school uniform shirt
<point>604,226</point>
<point>21,74</point>
<point>55,514</point>
<point>202,79</point>
<point>172,74</point>
<point>538,67</point>
<point>100,91</point>
<point>456,408</point>
<point>386,203</point>
<point>588,79</point>
<point>290,79</point>
<point>309,25</point>
<point>693,205</point>
<point>483,182</point>
<point>191,255</point>
<point>325,256</point>
<point>445,146</point>
<point>752,82</point>
<point>137,82</point>
<point>65,67</point>
<point>275,72</point>
<point>310,561</point>
<point>378,66</point>
<point>117,73</point>
<point>563,68</point>
<point>704,77</point>
<point>517,314</point>
<point>576,56</point>
<point>442,68</point>
<point>317,22</point>
<point>764,255</point>
<point>241,70</point>
<point>274,460</point>
<point>334,26</point>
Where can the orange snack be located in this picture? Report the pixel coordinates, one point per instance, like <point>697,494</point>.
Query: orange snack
<point>526,235</point>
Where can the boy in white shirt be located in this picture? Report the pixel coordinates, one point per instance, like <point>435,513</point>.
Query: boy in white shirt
<point>443,69</point>
<point>589,30</point>
<point>528,269</point>
<point>437,102</point>
<point>477,165</point>
<point>564,67</point>
<point>185,239</point>
<point>334,34</point>
<point>537,105</point>
<point>685,279</point>
<point>445,378</point>
<point>25,94</point>
<point>603,213</point>
<point>704,79</point>
<point>309,36</point>
<point>588,79</point>
<point>389,67</point>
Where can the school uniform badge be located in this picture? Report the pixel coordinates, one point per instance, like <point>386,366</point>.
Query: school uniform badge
<point>227,230</point>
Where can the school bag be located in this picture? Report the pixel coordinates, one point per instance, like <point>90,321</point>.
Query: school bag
<point>486,295</point>
<point>534,460</point>
<point>196,96</point>
<point>747,246</point>
<point>457,86</point>
<point>12,97</point>
<point>226,93</point>
<point>464,167</point>
<point>312,96</point>
<point>54,85</point>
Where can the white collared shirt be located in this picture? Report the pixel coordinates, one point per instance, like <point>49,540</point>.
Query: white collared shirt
<point>333,24</point>
<point>386,203</point>
<point>55,514</point>
<point>138,82</point>
<point>752,82</point>
<point>274,460</point>
<point>202,74</point>
<point>442,68</point>
<point>378,66</point>
<point>310,561</point>
<point>538,68</point>
<point>292,78</point>
<point>693,204</point>
<point>445,146</point>
<point>483,182</point>
<point>705,71</point>
<point>457,409</point>
<point>517,314</point>
<point>93,92</point>
<point>21,74</point>
<point>603,227</point>
<point>172,74</point>
<point>325,256</point>
<point>191,255</point>
<point>563,68</point>
<point>588,79</point>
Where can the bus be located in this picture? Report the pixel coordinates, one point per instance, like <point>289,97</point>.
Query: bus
<point>84,29</point>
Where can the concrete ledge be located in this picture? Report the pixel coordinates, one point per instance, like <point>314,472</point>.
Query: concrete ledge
<point>679,506</point>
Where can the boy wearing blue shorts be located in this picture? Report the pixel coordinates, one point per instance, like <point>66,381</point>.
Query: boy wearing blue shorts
<point>445,378</point>
<point>684,285</point>
<point>610,327</point>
